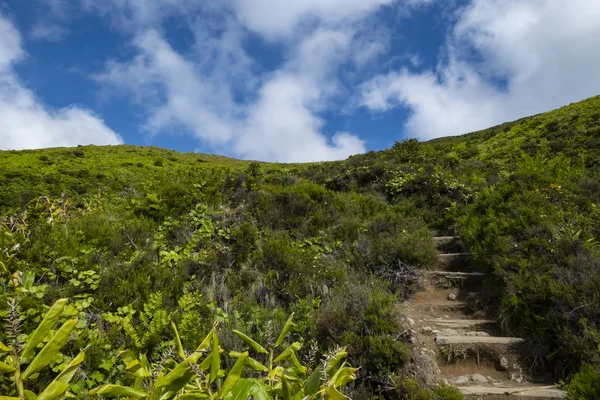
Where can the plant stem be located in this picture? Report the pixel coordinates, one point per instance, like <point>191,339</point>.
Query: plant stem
<point>18,379</point>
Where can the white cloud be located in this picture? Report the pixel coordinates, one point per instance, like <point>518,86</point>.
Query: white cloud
<point>274,17</point>
<point>284,123</point>
<point>178,95</point>
<point>281,124</point>
<point>216,91</point>
<point>533,55</point>
<point>28,123</point>
<point>132,15</point>
<point>48,31</point>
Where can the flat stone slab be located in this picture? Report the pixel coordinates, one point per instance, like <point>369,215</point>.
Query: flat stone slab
<point>464,339</point>
<point>446,256</point>
<point>539,392</point>
<point>460,323</point>
<point>445,304</point>
<point>456,275</point>
<point>445,238</point>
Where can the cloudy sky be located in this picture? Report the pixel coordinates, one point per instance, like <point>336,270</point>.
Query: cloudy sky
<point>293,80</point>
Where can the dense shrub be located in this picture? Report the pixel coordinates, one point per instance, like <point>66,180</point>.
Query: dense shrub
<point>338,243</point>
<point>409,389</point>
<point>585,385</point>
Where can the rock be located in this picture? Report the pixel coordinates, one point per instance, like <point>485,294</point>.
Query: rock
<point>504,364</point>
<point>410,321</point>
<point>477,333</point>
<point>479,378</point>
<point>461,380</point>
<point>490,379</point>
<point>452,297</point>
<point>516,373</point>
<point>448,332</point>
<point>517,377</point>
<point>435,332</point>
<point>427,330</point>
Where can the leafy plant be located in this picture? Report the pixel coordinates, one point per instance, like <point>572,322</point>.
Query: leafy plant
<point>199,375</point>
<point>18,355</point>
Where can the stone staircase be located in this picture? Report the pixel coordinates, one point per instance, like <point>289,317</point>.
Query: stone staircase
<point>468,346</point>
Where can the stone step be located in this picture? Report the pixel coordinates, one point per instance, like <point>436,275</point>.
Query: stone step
<point>455,274</point>
<point>438,239</point>
<point>467,339</point>
<point>448,243</point>
<point>454,261</point>
<point>532,392</point>
<point>460,323</point>
<point>445,304</point>
<point>450,257</point>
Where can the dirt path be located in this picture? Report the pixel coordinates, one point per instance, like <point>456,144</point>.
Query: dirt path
<point>457,342</point>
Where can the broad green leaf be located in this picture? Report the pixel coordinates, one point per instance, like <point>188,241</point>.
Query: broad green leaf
<point>47,324</point>
<point>51,348</point>
<point>250,362</point>
<point>6,367</point>
<point>286,328</point>
<point>335,360</point>
<point>4,348</point>
<point>215,363</point>
<point>250,342</point>
<point>275,373</point>
<point>133,365</point>
<point>205,364</point>
<point>206,342</point>
<point>234,375</point>
<point>28,280</point>
<point>54,391</point>
<point>333,394</point>
<point>343,376</point>
<point>29,395</point>
<point>192,396</point>
<point>118,391</point>
<point>288,352</point>
<point>194,357</point>
<point>313,383</point>
<point>59,385</point>
<point>286,388</point>
<point>255,365</point>
<point>246,388</point>
<point>180,372</point>
<point>301,369</point>
<point>178,341</point>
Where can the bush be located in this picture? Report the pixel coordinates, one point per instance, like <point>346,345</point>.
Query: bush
<point>585,385</point>
<point>384,354</point>
<point>364,316</point>
<point>409,389</point>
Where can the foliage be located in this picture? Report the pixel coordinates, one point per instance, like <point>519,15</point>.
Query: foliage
<point>585,385</point>
<point>140,237</point>
<point>19,354</point>
<point>192,378</point>
<point>409,389</point>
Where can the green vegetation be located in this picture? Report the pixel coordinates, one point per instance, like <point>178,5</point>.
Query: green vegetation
<point>142,240</point>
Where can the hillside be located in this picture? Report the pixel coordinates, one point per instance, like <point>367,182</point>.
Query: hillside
<point>137,237</point>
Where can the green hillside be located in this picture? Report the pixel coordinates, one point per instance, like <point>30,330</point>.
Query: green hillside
<point>139,237</point>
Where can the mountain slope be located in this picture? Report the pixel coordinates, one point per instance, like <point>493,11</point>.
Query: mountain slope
<point>129,231</point>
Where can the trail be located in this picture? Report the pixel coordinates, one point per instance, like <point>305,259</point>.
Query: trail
<point>459,342</point>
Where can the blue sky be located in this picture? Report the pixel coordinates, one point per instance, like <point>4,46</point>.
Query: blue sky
<point>280,80</point>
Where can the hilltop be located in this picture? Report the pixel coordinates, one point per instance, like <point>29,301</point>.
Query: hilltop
<point>138,237</point>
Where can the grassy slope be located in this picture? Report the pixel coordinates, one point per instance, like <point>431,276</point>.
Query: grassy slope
<point>524,194</point>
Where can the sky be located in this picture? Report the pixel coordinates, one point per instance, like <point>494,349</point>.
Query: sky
<point>285,80</point>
